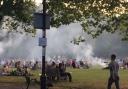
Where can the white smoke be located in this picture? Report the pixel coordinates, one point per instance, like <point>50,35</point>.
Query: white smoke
<point>59,44</point>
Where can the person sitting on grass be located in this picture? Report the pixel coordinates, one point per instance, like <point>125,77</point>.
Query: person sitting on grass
<point>63,72</point>
<point>52,72</point>
<point>6,70</point>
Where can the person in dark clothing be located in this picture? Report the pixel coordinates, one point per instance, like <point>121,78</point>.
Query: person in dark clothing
<point>63,73</point>
<point>73,64</point>
<point>114,77</point>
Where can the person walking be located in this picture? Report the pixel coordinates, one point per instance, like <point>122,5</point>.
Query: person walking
<point>114,76</point>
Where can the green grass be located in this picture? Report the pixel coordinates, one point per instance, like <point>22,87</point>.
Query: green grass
<point>92,79</point>
<point>82,79</point>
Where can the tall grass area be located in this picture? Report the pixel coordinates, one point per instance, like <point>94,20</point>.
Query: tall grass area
<point>82,79</point>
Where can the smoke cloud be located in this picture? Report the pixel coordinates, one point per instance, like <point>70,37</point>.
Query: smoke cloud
<point>14,45</point>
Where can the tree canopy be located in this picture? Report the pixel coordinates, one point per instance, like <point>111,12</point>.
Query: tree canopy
<point>20,12</point>
<point>19,9</point>
<point>102,15</point>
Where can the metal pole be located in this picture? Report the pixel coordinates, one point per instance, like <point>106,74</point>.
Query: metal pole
<point>43,76</point>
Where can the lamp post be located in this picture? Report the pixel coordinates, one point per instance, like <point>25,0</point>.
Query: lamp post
<point>42,21</point>
<point>43,75</point>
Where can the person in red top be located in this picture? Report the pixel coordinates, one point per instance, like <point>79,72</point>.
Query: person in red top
<point>114,77</point>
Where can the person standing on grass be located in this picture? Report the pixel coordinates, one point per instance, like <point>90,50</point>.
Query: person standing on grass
<point>114,77</point>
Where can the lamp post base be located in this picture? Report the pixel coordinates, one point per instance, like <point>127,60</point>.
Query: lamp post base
<point>43,82</point>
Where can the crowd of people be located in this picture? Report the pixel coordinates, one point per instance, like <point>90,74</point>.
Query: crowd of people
<point>125,63</point>
<point>73,63</point>
<point>58,70</point>
<point>17,68</point>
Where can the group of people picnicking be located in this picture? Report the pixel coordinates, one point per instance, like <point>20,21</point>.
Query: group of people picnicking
<point>17,68</point>
<point>125,63</point>
<point>57,71</point>
<point>54,70</point>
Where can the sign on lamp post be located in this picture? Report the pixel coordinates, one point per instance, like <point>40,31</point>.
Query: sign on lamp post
<point>38,21</point>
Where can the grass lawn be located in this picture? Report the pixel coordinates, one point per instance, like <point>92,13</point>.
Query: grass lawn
<point>93,79</point>
<point>82,79</point>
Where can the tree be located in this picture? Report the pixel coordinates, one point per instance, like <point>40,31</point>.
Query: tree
<point>19,13</point>
<point>103,15</point>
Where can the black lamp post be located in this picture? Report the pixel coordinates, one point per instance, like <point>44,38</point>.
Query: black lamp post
<point>42,21</point>
<point>43,75</point>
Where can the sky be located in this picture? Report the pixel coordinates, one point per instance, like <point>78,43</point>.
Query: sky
<point>38,1</point>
